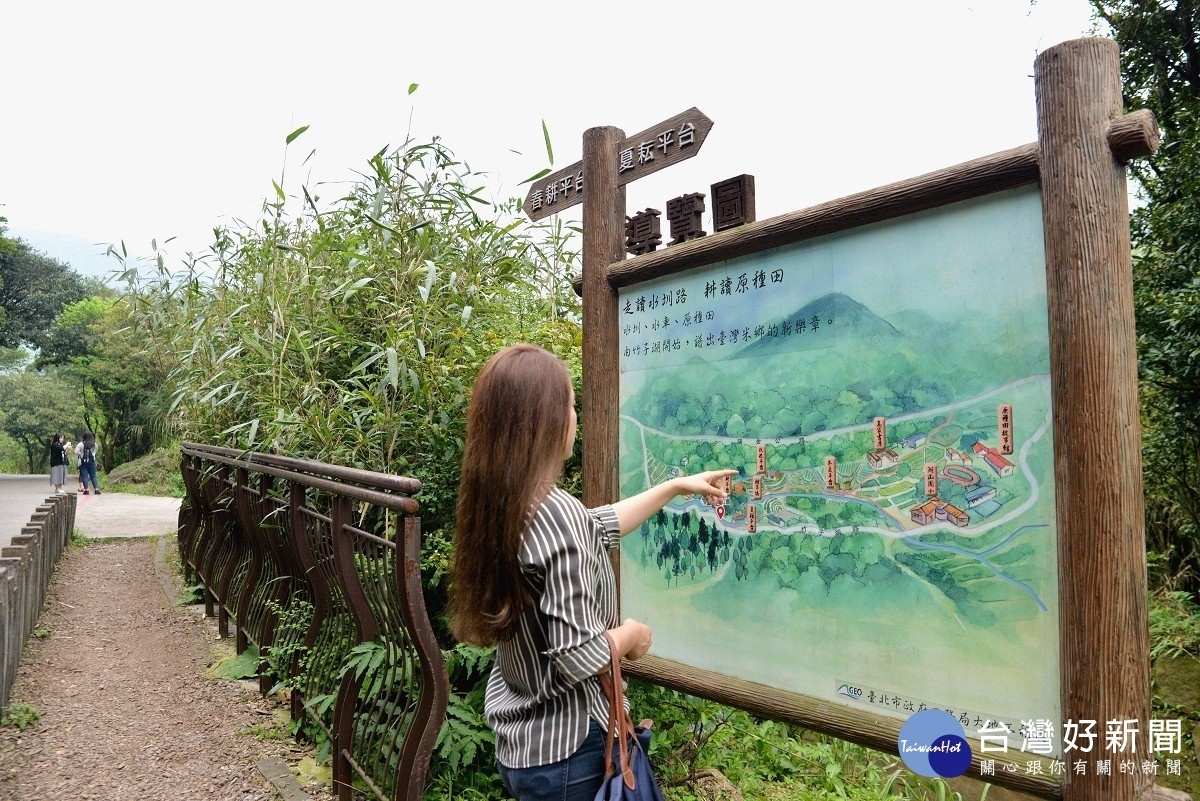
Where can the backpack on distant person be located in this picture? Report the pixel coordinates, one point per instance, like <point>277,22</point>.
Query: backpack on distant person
<point>87,457</point>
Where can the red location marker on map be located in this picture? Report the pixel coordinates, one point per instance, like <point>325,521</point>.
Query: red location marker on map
<point>720,512</point>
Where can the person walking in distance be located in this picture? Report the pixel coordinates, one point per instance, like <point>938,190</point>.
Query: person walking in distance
<point>69,447</point>
<point>58,463</point>
<point>532,577</point>
<point>85,451</point>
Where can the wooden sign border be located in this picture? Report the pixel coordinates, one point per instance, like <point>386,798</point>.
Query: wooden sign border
<point>1078,160</point>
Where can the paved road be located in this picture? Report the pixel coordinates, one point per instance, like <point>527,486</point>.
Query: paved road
<point>19,497</point>
<point>111,514</point>
<point>117,514</point>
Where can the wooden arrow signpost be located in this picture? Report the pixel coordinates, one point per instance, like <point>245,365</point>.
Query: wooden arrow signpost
<point>610,160</point>
<point>659,146</point>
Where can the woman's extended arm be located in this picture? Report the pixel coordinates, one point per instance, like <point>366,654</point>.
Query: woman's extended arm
<point>632,512</point>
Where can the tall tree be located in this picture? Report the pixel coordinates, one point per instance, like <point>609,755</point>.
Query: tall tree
<point>32,408</point>
<point>93,343</point>
<point>1160,63</point>
<point>6,245</point>
<point>34,288</point>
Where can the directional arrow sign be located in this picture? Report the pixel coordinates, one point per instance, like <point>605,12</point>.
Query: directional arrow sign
<point>661,145</point>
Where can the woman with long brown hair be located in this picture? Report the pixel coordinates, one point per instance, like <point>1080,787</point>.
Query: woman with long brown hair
<point>531,576</point>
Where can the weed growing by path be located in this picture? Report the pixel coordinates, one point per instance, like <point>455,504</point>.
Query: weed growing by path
<point>19,716</point>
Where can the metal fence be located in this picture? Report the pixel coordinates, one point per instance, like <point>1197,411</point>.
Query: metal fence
<point>319,567</point>
<point>26,566</point>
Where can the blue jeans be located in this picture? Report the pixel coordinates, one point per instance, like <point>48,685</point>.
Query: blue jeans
<point>87,471</point>
<point>576,778</point>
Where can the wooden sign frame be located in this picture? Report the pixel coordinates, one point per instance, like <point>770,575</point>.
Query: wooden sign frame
<point>1078,160</point>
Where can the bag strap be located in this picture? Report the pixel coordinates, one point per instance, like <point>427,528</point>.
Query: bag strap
<point>620,725</point>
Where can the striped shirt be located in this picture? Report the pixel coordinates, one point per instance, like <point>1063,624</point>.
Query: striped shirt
<point>543,686</point>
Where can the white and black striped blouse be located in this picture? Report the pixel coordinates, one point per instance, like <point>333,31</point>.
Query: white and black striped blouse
<point>543,687</point>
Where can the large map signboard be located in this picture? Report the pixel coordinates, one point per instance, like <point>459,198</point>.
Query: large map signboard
<point>890,542</point>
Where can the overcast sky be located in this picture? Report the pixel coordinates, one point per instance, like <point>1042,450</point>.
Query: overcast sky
<point>136,120</point>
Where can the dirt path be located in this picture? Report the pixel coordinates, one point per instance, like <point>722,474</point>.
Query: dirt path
<point>126,711</point>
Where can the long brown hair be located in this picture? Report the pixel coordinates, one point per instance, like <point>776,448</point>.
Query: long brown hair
<point>517,424</point>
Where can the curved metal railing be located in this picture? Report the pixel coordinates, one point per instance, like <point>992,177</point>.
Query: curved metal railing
<point>318,566</point>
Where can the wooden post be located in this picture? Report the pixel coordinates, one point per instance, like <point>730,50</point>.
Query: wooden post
<point>1105,672</point>
<point>603,244</point>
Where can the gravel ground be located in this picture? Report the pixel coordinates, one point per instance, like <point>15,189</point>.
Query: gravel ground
<point>126,711</point>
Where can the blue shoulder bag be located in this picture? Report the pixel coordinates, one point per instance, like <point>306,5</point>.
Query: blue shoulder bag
<point>633,781</point>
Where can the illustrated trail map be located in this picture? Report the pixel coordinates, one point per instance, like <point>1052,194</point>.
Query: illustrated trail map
<point>889,541</point>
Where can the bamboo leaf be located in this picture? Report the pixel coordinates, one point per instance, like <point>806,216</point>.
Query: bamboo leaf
<point>535,176</point>
<point>474,197</point>
<point>234,351</point>
<point>382,225</point>
<point>212,393</point>
<point>430,277</point>
<point>278,190</point>
<point>356,286</point>
<point>294,135</point>
<point>179,396</point>
<point>367,362</point>
<point>412,87</point>
<point>546,136</point>
<point>310,200</point>
<point>393,373</point>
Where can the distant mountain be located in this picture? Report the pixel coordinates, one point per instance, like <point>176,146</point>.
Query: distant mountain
<point>84,257</point>
<point>917,323</point>
<point>836,314</point>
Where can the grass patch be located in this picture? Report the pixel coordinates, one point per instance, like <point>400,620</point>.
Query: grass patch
<point>1175,651</point>
<point>1174,625</point>
<point>156,473</point>
<point>264,732</point>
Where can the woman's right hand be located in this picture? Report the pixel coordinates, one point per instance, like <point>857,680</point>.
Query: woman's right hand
<point>633,639</point>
